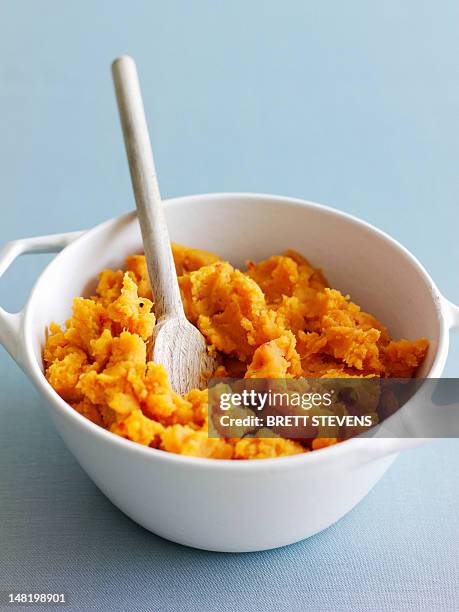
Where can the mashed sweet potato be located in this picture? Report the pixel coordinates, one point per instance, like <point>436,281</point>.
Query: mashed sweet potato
<point>277,319</point>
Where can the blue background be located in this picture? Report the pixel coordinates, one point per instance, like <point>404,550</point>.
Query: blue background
<point>353,104</point>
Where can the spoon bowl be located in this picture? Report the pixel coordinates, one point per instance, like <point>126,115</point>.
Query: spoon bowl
<point>180,344</point>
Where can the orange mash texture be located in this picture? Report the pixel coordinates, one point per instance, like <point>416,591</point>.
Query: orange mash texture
<point>277,319</point>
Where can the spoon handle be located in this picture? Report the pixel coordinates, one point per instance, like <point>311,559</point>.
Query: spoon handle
<point>156,241</point>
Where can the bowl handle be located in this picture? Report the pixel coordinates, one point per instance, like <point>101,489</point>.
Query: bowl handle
<point>451,312</point>
<point>10,324</point>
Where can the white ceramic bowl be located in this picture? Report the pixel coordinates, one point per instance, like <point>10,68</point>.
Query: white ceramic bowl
<point>232,505</point>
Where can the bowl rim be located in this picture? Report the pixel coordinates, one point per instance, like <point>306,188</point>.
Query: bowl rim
<point>34,371</point>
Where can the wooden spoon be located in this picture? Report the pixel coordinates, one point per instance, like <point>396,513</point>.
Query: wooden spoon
<point>177,344</point>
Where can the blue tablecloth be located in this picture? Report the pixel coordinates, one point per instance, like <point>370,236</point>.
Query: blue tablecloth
<point>353,104</point>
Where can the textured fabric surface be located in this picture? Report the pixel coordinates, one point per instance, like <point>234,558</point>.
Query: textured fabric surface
<point>353,104</point>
